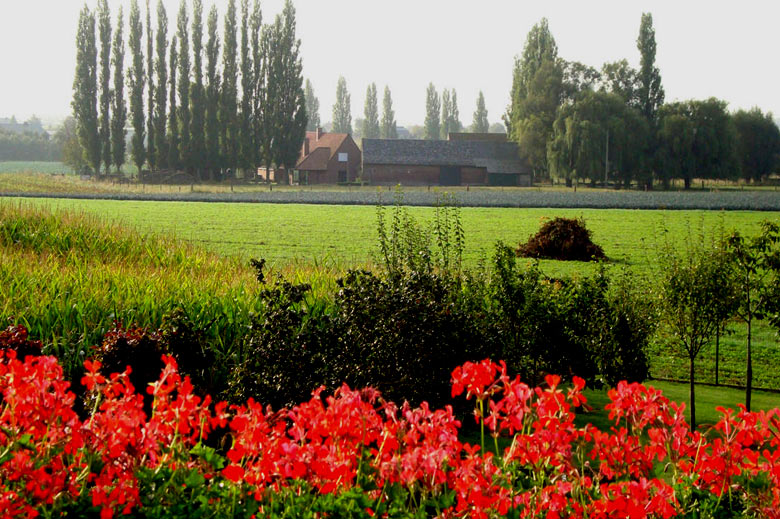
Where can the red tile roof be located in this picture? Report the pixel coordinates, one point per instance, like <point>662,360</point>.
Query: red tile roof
<point>320,151</point>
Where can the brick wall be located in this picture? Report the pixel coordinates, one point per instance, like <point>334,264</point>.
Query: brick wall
<point>399,174</point>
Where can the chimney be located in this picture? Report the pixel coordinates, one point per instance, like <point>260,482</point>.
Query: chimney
<point>319,134</point>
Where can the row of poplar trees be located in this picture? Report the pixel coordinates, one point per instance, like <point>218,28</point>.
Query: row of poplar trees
<point>239,113</point>
<point>574,122</point>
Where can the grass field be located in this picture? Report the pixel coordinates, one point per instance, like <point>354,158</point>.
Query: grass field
<point>346,235</point>
<point>304,239</point>
<point>708,399</point>
<point>31,169</point>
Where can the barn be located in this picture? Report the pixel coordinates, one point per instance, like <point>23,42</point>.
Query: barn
<point>463,159</point>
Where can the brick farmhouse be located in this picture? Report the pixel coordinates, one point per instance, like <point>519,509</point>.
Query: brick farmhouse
<point>328,158</point>
<point>464,159</point>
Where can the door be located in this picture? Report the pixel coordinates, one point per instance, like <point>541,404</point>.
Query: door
<point>449,176</point>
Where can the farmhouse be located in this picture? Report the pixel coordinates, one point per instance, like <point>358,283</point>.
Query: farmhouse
<point>328,158</point>
<point>464,159</point>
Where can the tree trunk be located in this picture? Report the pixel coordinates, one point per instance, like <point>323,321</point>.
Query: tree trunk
<point>687,183</point>
<point>692,396</point>
<point>717,351</point>
<point>568,182</point>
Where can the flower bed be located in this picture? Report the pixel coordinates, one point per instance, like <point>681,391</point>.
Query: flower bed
<point>352,454</point>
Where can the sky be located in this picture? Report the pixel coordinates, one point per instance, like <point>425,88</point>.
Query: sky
<point>725,49</point>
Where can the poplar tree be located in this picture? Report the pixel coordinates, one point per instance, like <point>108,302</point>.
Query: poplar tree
<point>267,93</point>
<point>259,62</point>
<point>161,88</point>
<point>174,161</point>
<point>455,125</point>
<point>342,113</point>
<point>371,114</point>
<point>151,155</point>
<point>246,133</point>
<point>104,29</point>
<point>312,107</point>
<point>119,108</point>
<point>228,100</point>
<point>444,128</point>
<point>388,129</point>
<point>287,72</point>
<point>137,80</point>
<point>185,150</point>
<point>85,90</point>
<point>650,92</point>
<point>197,95</point>
<point>480,122</point>
<point>432,112</point>
<point>212,94</point>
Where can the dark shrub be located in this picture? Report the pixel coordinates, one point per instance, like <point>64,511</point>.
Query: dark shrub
<point>403,335</point>
<point>595,328</point>
<point>135,347</point>
<point>562,239</point>
<point>193,350</point>
<point>16,338</point>
<point>284,356</point>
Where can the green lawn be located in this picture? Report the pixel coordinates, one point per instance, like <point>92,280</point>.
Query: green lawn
<point>346,235</point>
<point>708,398</point>
<point>30,168</point>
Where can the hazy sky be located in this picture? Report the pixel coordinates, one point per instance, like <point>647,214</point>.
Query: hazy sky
<point>730,50</point>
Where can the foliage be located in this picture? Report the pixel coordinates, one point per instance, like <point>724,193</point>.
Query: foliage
<point>371,114</point>
<point>312,107</point>
<point>592,327</point>
<point>16,338</point>
<point>598,127</point>
<point>756,263</point>
<point>228,95</point>
<point>184,115</point>
<point>619,78</point>
<point>480,122</point>
<point>697,139</point>
<point>758,143</point>
<point>342,109</point>
<point>406,245</point>
<point>161,89</point>
<point>85,90</point>
<point>355,454</point>
<point>698,295</point>
<point>565,239</point>
<point>104,82</point>
<point>432,111</point>
<point>197,93</point>
<point>38,146</point>
<point>136,81</point>
<point>119,104</point>
<point>172,139</point>
<point>151,138</point>
<point>212,127</point>
<point>650,93</point>
<point>289,106</point>
<point>388,128</point>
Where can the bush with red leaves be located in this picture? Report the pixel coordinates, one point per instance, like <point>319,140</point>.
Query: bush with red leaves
<point>16,338</point>
<point>564,239</point>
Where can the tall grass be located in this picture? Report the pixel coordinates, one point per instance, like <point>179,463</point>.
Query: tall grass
<point>68,276</point>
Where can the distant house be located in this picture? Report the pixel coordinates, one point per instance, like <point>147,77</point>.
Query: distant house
<point>464,159</point>
<point>328,158</point>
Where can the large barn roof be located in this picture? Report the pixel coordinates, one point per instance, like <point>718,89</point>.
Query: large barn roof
<point>496,157</point>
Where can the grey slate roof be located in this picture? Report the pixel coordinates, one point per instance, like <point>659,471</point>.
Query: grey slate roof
<point>497,157</point>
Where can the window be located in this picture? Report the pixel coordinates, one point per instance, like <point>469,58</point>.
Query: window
<point>342,176</point>
<point>343,157</point>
